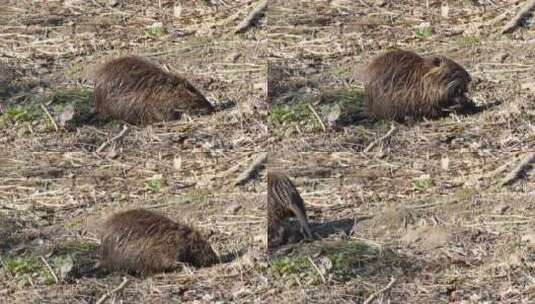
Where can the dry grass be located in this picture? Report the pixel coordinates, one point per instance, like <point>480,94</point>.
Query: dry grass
<point>58,187</point>
<point>447,233</point>
<point>424,206</point>
<point>320,46</point>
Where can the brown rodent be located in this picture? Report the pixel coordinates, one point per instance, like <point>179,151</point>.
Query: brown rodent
<point>143,242</point>
<point>403,84</point>
<point>139,92</point>
<point>284,201</point>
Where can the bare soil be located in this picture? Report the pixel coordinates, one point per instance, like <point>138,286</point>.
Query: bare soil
<point>57,187</point>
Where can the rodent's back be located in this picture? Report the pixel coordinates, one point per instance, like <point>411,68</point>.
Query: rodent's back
<point>145,242</point>
<point>402,83</point>
<point>284,201</point>
<point>396,66</point>
<point>281,194</point>
<point>138,91</point>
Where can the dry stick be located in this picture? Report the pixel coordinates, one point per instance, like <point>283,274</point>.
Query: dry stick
<point>109,294</point>
<point>248,174</point>
<point>250,19</point>
<point>119,136</point>
<point>383,138</point>
<point>317,117</point>
<point>50,269</point>
<point>522,166</point>
<point>387,287</point>
<point>50,117</point>
<point>318,270</point>
<point>522,13</point>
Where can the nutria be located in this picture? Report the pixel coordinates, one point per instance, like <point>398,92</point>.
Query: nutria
<point>139,92</point>
<point>143,242</point>
<point>403,84</point>
<point>284,201</point>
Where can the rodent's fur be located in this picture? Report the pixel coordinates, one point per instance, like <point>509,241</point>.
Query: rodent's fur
<point>403,84</point>
<point>284,201</point>
<point>143,242</point>
<point>137,91</point>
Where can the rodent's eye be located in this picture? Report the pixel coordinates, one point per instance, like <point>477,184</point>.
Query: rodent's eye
<point>436,61</point>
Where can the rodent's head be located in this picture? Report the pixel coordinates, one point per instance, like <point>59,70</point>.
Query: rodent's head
<point>451,76</point>
<point>197,251</point>
<point>205,254</point>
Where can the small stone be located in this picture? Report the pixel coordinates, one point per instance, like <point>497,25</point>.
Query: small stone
<point>445,163</point>
<point>177,163</point>
<point>325,264</point>
<point>334,116</point>
<point>66,266</point>
<point>66,115</point>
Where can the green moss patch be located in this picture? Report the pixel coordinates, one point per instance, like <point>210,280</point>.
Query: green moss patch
<point>339,107</point>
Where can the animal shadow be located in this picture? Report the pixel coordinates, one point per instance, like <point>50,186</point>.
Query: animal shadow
<point>324,230</point>
<point>231,256</point>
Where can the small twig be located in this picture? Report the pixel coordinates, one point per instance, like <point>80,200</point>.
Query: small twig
<point>317,117</point>
<point>50,269</point>
<point>318,270</point>
<point>385,289</point>
<point>381,139</point>
<point>117,137</point>
<point>522,13</point>
<point>519,169</point>
<point>109,294</point>
<point>251,18</point>
<point>50,117</point>
<point>251,170</point>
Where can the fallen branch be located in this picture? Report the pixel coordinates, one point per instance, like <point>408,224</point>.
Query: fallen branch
<point>522,13</point>
<point>109,294</point>
<point>317,270</point>
<point>251,170</point>
<point>519,169</point>
<point>116,138</point>
<point>50,117</point>
<point>317,117</point>
<point>251,18</point>
<point>50,269</point>
<point>381,139</point>
<point>385,289</point>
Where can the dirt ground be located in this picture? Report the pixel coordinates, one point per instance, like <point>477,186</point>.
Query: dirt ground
<point>422,212</point>
<point>441,226</point>
<point>57,187</point>
<point>317,51</point>
<point>420,216</point>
